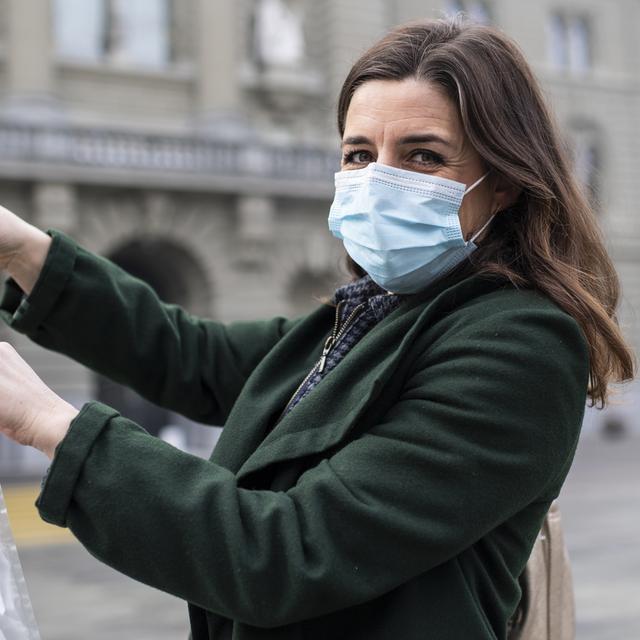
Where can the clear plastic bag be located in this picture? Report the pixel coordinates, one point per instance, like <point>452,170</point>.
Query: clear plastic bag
<point>17,621</point>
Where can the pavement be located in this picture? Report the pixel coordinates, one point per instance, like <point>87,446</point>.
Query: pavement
<point>600,506</point>
<point>75,597</point>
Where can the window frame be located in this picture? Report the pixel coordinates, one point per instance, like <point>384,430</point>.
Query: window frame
<point>562,39</point>
<point>105,59</point>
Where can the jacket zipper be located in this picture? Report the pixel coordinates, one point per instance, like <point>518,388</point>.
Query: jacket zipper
<point>336,334</point>
<point>334,337</point>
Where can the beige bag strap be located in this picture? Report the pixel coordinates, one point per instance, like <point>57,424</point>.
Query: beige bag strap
<point>546,610</point>
<point>560,593</point>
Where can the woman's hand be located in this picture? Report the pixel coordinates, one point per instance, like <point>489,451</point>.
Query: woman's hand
<point>30,413</point>
<point>23,249</point>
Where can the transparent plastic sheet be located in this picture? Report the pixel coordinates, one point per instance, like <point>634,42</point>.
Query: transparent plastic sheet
<point>17,621</point>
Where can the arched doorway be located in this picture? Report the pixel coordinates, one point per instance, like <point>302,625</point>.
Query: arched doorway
<point>177,278</point>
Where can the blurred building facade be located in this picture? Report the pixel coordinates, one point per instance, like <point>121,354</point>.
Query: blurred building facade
<point>194,143</point>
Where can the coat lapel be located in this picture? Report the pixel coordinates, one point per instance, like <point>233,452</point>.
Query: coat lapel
<point>269,388</point>
<point>333,408</point>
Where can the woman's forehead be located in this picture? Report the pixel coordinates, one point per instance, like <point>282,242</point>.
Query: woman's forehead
<point>402,107</point>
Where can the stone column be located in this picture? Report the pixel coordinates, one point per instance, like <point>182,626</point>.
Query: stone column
<point>219,54</point>
<point>30,83</point>
<point>256,218</point>
<point>349,29</point>
<point>254,234</point>
<point>54,206</point>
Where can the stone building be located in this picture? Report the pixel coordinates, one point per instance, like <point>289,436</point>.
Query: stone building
<point>193,142</point>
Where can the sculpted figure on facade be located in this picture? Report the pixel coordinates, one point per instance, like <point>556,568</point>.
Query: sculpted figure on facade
<point>278,36</point>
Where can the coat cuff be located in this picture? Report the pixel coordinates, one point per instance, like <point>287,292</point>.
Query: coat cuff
<point>57,491</point>
<point>26,313</point>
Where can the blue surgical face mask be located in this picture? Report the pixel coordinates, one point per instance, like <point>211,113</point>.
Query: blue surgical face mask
<point>402,227</point>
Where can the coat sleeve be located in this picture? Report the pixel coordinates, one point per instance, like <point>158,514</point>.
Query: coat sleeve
<point>91,310</point>
<point>485,425</point>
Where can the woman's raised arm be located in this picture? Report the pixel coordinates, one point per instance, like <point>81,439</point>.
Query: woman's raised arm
<point>88,308</point>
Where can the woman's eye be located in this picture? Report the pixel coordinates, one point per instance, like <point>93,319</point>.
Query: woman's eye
<point>357,156</point>
<point>423,156</point>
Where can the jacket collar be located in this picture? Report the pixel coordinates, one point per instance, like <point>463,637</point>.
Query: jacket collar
<point>363,290</point>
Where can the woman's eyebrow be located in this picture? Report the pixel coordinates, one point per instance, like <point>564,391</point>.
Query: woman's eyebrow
<point>416,138</point>
<point>420,138</point>
<point>356,140</point>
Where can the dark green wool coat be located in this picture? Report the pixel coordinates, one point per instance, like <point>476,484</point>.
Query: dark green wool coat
<point>399,500</point>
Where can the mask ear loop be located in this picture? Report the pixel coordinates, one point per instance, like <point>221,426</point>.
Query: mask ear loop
<point>488,222</point>
<point>482,228</point>
<point>476,183</point>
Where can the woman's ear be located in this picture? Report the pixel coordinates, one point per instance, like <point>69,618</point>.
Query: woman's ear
<point>505,193</point>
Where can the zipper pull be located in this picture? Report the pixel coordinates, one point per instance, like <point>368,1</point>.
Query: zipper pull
<point>325,352</point>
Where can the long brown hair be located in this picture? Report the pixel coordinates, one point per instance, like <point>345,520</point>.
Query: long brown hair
<point>549,239</point>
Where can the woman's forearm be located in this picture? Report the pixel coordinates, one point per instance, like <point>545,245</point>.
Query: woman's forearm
<point>23,249</point>
<point>26,264</point>
<point>91,310</point>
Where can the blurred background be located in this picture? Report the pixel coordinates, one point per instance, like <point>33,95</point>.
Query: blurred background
<point>194,144</point>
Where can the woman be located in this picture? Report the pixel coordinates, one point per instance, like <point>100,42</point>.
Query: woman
<point>387,460</point>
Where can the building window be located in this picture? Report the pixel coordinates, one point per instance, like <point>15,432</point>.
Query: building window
<point>587,159</point>
<point>139,32</point>
<point>558,41</point>
<point>122,32</point>
<point>475,10</point>
<point>579,38</point>
<point>78,29</point>
<point>453,7</point>
<point>570,43</point>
